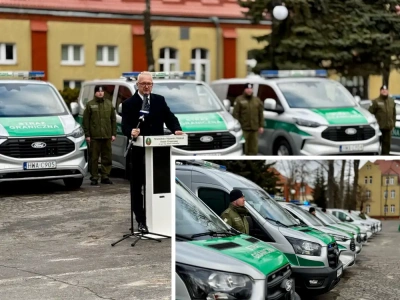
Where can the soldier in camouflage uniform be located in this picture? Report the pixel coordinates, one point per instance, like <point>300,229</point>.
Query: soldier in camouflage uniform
<point>100,127</point>
<point>384,110</point>
<point>249,111</point>
<point>235,214</point>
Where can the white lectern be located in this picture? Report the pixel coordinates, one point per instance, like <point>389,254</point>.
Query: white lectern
<point>157,191</point>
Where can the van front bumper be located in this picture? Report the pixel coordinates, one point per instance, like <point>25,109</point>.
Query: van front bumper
<point>348,258</point>
<point>72,165</point>
<point>327,279</point>
<point>320,147</point>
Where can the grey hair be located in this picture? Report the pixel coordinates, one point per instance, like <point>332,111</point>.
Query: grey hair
<point>145,73</point>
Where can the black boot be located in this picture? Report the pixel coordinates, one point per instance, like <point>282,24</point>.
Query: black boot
<point>94,182</point>
<point>143,228</point>
<point>106,181</point>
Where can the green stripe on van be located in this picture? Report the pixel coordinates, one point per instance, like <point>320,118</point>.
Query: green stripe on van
<point>288,127</point>
<point>33,126</point>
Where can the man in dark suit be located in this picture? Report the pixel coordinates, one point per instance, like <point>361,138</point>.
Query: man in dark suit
<point>153,124</point>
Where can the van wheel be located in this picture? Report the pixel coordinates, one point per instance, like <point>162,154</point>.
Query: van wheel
<point>282,148</point>
<point>73,183</point>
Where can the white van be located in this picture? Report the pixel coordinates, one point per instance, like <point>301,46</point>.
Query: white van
<point>306,114</point>
<point>39,137</point>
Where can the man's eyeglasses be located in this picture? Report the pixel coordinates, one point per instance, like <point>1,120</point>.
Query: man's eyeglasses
<point>145,83</point>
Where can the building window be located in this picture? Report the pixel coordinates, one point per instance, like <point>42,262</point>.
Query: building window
<point>366,180</point>
<point>200,63</point>
<point>392,194</point>
<point>391,180</point>
<point>368,167</point>
<point>107,56</point>
<point>368,209</point>
<point>385,194</point>
<point>392,208</point>
<point>302,189</point>
<point>368,194</point>
<point>72,84</point>
<point>370,179</point>
<point>168,60</point>
<point>385,209</point>
<point>251,61</point>
<point>8,54</point>
<point>72,55</point>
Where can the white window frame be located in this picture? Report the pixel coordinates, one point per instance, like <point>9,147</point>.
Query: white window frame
<point>392,194</point>
<point>368,209</point>
<point>385,208</point>
<point>392,208</point>
<point>391,180</point>
<point>366,180</point>
<point>3,60</point>
<point>198,62</point>
<point>167,60</point>
<point>72,83</point>
<point>370,179</point>
<point>105,55</point>
<point>70,61</point>
<point>368,194</point>
<point>385,194</point>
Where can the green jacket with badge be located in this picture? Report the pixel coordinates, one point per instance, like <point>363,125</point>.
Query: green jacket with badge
<point>99,119</point>
<point>384,111</point>
<point>235,217</point>
<point>249,111</point>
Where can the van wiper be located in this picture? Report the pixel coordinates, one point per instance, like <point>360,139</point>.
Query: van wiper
<point>213,233</point>
<point>183,237</point>
<point>276,221</point>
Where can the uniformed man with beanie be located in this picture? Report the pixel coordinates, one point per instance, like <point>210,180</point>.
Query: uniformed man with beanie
<point>249,111</point>
<point>100,127</point>
<point>384,110</point>
<point>235,214</point>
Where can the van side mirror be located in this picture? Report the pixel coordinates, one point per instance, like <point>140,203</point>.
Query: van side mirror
<point>74,108</point>
<point>348,219</point>
<point>119,109</point>
<point>250,221</point>
<point>270,104</point>
<point>358,99</point>
<point>227,104</point>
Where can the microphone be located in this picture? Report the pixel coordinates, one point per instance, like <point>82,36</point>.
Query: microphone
<point>143,112</point>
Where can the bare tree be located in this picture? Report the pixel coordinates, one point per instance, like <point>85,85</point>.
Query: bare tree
<point>356,165</point>
<point>362,198</point>
<point>331,183</point>
<point>147,36</point>
<point>295,172</point>
<point>341,183</point>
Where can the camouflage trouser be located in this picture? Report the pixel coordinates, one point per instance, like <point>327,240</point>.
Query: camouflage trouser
<point>100,148</point>
<point>251,143</point>
<point>386,140</point>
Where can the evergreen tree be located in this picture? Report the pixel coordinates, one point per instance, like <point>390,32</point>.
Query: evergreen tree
<point>350,37</point>
<point>319,193</point>
<point>254,170</point>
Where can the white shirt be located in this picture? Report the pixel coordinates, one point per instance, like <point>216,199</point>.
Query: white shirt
<point>142,97</point>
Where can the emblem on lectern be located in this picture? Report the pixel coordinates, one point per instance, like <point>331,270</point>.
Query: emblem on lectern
<point>148,141</point>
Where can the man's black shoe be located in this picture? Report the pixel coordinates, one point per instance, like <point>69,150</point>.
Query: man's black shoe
<point>106,181</point>
<point>94,182</point>
<point>143,228</point>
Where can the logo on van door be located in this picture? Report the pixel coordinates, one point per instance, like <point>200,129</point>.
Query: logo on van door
<point>351,131</point>
<point>206,139</point>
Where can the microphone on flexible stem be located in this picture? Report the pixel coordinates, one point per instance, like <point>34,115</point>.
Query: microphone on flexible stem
<point>143,112</point>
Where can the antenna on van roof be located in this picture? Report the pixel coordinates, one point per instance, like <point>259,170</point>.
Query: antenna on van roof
<point>201,163</point>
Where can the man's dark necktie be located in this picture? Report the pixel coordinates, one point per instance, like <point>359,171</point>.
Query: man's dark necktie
<point>146,103</point>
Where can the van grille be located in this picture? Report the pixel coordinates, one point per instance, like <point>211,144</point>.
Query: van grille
<point>352,245</point>
<point>358,238</point>
<point>274,282</point>
<point>338,134</point>
<point>220,140</point>
<point>22,147</point>
<point>333,255</point>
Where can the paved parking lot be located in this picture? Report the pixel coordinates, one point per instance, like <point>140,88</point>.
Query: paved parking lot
<point>56,244</point>
<point>376,275</point>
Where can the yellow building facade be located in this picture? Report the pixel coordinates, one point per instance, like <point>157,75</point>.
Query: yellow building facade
<point>380,181</point>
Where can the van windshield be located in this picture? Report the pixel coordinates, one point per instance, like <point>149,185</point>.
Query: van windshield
<point>29,100</point>
<point>325,217</point>
<point>267,207</point>
<point>188,97</point>
<point>316,94</point>
<point>307,216</point>
<point>192,216</point>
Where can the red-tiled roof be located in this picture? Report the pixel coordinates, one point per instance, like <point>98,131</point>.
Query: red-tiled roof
<point>184,8</point>
<point>389,167</point>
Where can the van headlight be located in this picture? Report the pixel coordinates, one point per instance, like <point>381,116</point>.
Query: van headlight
<point>209,284</point>
<point>236,126</point>
<point>340,237</point>
<point>365,224</point>
<point>77,133</point>
<point>306,123</point>
<point>305,247</point>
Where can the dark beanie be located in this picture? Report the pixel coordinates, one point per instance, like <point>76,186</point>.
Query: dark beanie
<point>383,87</point>
<point>249,85</point>
<point>98,88</point>
<point>312,209</point>
<point>235,194</point>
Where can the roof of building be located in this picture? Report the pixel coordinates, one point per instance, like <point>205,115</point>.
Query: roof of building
<point>389,167</point>
<point>177,8</point>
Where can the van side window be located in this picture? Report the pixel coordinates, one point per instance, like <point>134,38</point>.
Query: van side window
<point>234,91</point>
<point>87,94</point>
<point>215,199</point>
<point>123,94</point>
<point>265,91</point>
